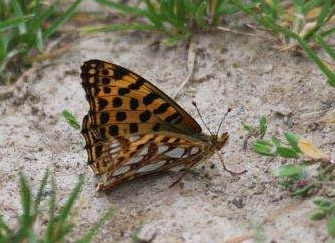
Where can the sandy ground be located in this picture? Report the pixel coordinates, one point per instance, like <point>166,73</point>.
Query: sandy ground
<point>209,205</point>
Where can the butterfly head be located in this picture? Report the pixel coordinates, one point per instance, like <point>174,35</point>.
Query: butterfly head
<point>219,142</point>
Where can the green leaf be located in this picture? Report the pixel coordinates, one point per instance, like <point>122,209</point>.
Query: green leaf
<point>318,215</point>
<point>323,203</point>
<point>293,140</point>
<point>303,191</point>
<point>262,126</point>
<point>71,119</point>
<point>276,141</point>
<point>247,127</point>
<point>264,147</point>
<point>331,225</point>
<point>292,171</point>
<point>287,152</point>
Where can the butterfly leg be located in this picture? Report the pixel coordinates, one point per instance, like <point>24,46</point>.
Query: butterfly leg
<point>179,179</point>
<point>187,170</point>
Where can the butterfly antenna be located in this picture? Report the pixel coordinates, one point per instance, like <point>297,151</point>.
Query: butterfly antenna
<point>196,107</point>
<point>224,117</point>
<point>231,172</point>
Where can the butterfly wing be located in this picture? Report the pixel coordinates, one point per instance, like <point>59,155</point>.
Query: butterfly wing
<point>138,156</point>
<point>123,104</point>
<point>119,96</point>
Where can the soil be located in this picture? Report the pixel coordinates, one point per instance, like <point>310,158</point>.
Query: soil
<point>209,205</point>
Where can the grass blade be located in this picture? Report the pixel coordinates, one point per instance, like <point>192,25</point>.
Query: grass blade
<point>88,237</point>
<point>331,225</point>
<point>41,189</point>
<point>123,8</point>
<point>69,203</point>
<point>4,229</point>
<point>9,23</point>
<point>19,12</point>
<point>62,19</point>
<point>52,206</point>
<point>25,199</point>
<point>325,46</point>
<point>119,27</point>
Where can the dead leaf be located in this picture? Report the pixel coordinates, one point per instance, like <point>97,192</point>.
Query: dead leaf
<point>310,150</point>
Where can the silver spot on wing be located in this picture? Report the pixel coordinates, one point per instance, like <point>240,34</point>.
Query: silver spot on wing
<point>151,167</point>
<point>134,160</point>
<point>162,149</point>
<point>194,150</point>
<point>178,167</point>
<point>144,151</point>
<point>121,170</point>
<point>175,153</point>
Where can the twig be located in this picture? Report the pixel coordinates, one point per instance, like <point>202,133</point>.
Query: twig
<point>190,66</point>
<point>235,31</point>
<point>10,89</point>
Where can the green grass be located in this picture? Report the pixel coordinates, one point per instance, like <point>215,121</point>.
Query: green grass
<point>25,28</point>
<point>60,220</point>
<point>302,25</point>
<point>177,19</point>
<point>299,29</point>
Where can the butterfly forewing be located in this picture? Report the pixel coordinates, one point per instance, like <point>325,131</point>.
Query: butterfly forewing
<point>132,128</point>
<point>117,95</point>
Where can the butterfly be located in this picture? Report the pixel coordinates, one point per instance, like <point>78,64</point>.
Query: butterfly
<point>134,129</point>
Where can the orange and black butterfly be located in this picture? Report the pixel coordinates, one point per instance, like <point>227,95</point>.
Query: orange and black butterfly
<point>134,129</point>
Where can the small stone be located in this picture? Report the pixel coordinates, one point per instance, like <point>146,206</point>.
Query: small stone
<point>238,202</point>
<point>282,110</point>
<point>146,234</point>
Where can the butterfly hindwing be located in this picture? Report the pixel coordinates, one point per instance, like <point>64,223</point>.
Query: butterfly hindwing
<point>149,154</point>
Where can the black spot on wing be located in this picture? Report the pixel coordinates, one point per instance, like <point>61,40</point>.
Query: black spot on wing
<point>133,127</point>
<point>174,118</point>
<point>162,108</point>
<point>119,72</point>
<point>113,130</point>
<point>156,127</point>
<point>102,103</point>
<point>145,116</point>
<point>137,85</point>
<point>133,104</point>
<point>117,102</point>
<point>123,91</point>
<point>121,116</point>
<point>148,99</point>
<point>104,117</point>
